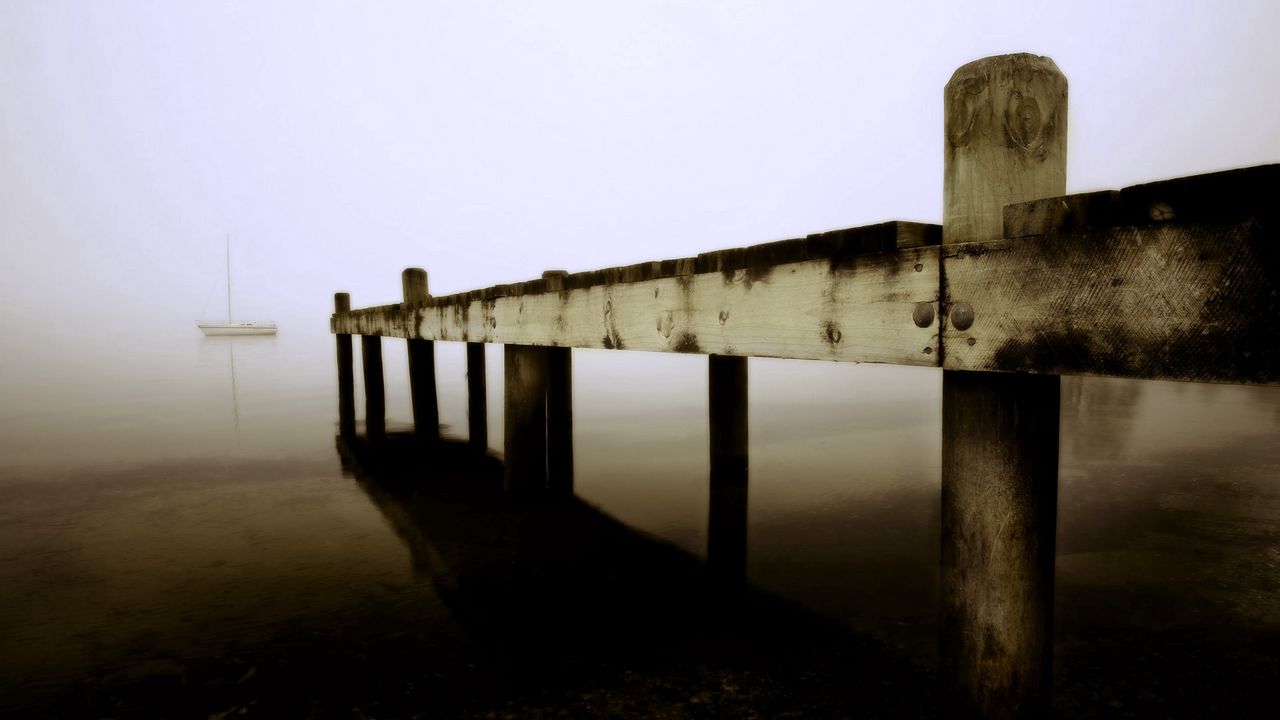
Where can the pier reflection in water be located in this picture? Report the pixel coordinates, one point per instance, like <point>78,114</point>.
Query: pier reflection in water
<point>575,612</point>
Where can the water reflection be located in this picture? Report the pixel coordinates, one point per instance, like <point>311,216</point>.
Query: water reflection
<point>587,614</point>
<point>174,521</point>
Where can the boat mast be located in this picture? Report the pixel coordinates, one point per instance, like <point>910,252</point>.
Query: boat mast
<point>228,277</point>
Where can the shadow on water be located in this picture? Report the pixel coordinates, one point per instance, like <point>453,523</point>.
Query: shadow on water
<point>240,586</point>
<point>575,614</point>
<point>526,609</point>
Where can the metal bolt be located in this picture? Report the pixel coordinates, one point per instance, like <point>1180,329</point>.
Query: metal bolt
<point>922,316</point>
<point>961,316</point>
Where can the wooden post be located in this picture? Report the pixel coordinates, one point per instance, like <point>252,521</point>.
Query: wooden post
<point>525,398</point>
<point>375,410</point>
<point>727,512</point>
<point>422,361</point>
<point>346,374</point>
<point>477,408</point>
<point>1006,140</point>
<point>559,406</point>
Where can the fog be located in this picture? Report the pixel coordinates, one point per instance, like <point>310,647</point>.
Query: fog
<point>335,144</point>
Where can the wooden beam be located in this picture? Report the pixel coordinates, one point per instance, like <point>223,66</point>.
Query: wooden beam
<point>1006,142</point>
<point>346,373</point>
<point>1173,281</point>
<point>422,362</point>
<point>863,295</point>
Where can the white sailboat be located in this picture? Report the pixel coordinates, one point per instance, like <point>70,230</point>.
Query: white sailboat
<point>234,328</point>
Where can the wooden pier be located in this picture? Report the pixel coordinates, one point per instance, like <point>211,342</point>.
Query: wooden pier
<point>1174,280</point>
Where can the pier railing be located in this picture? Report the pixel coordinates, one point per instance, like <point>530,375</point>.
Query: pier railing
<point>1174,280</point>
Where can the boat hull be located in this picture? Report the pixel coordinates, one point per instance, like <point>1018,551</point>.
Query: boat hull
<point>243,328</point>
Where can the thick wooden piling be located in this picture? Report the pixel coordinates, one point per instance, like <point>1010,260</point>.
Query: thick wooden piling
<point>559,406</point>
<point>375,408</point>
<point>422,361</point>
<point>346,373</point>
<point>727,512</point>
<point>477,399</point>
<point>525,422</point>
<point>1005,143</point>
<point>559,421</point>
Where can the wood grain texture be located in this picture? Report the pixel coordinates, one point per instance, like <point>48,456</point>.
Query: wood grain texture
<point>1172,301</point>
<point>861,308</point>
<point>999,500</point>
<point>1006,141</point>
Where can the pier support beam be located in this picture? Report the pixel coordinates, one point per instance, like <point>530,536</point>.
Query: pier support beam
<point>538,423</point>
<point>422,362</point>
<point>559,406</point>
<point>477,399</point>
<point>560,421</point>
<point>346,374</point>
<point>727,512</point>
<point>375,403</point>
<point>1005,143</point>
<point>525,419</point>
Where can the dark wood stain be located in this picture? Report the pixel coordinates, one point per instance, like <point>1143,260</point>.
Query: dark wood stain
<point>686,342</point>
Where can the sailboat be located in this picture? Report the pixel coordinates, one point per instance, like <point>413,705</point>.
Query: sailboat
<point>234,328</point>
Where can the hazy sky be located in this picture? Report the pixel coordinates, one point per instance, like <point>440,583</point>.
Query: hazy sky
<point>338,142</point>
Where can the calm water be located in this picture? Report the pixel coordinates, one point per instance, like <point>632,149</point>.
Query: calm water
<point>177,533</point>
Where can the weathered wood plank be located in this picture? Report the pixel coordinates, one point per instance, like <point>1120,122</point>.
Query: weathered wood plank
<point>1174,301</point>
<point>877,307</point>
<point>1227,195</point>
<point>1186,265</point>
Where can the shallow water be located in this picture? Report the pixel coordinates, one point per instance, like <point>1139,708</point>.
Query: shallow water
<point>167,521</point>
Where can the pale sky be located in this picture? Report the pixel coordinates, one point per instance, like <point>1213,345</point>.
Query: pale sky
<point>339,142</point>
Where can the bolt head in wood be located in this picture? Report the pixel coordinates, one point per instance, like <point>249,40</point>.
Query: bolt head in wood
<point>962,316</point>
<point>922,316</point>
